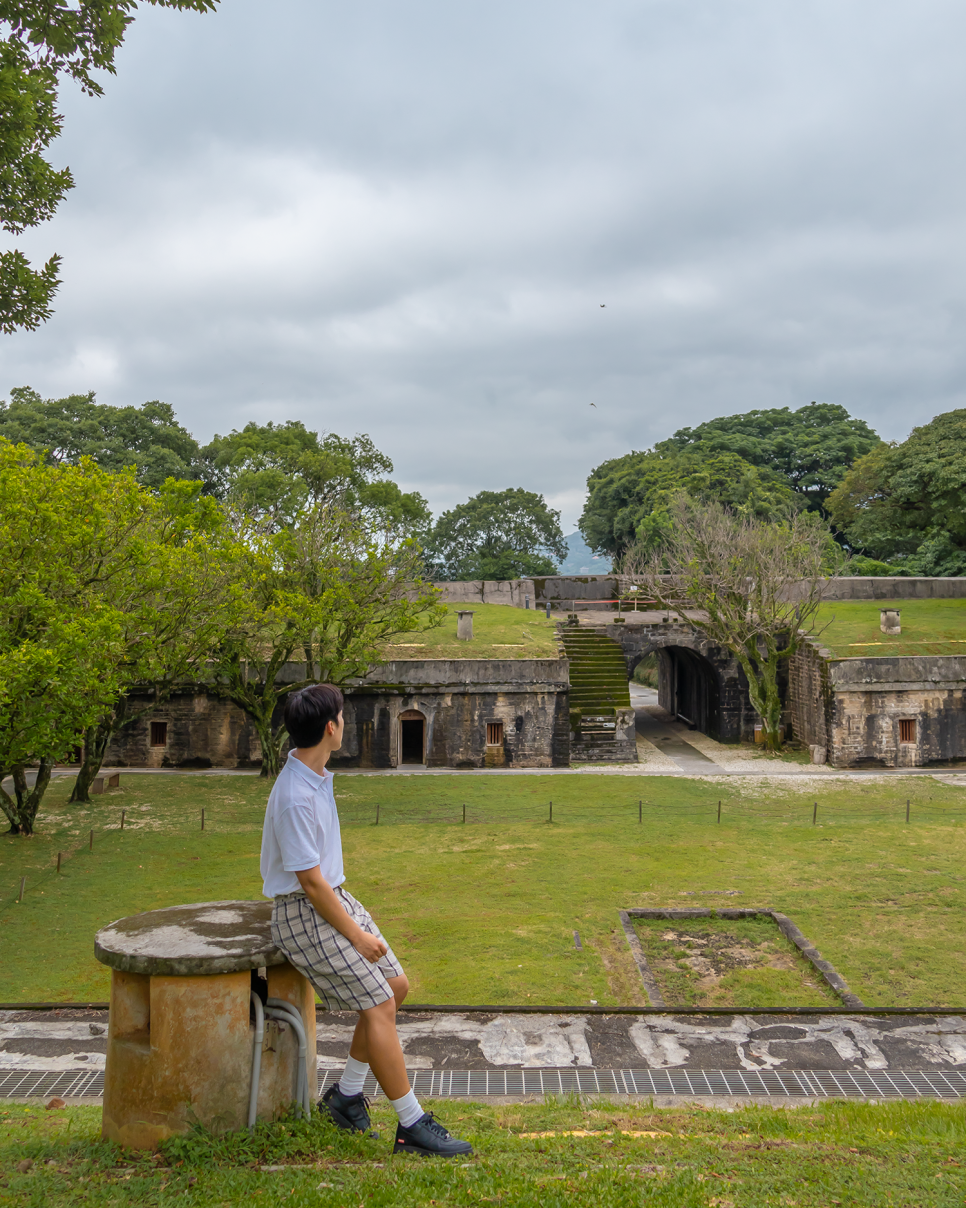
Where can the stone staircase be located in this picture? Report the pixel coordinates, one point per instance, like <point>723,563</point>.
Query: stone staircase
<point>601,717</point>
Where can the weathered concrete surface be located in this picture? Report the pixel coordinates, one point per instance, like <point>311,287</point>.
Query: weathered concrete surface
<point>493,1040</point>
<point>198,939</point>
<point>457,698</point>
<point>870,587</point>
<point>488,591</point>
<point>179,1043</point>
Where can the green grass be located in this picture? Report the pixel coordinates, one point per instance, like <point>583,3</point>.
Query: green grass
<point>485,913</point>
<point>778,975</point>
<point>928,627</point>
<point>499,632</point>
<point>860,1155</point>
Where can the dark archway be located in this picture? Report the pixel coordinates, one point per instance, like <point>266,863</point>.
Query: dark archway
<point>688,688</point>
<point>412,737</point>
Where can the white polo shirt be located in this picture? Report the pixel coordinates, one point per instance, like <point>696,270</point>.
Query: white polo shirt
<point>301,830</point>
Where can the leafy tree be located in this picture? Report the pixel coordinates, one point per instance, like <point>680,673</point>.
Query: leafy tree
<point>324,593</point>
<point>629,497</point>
<point>43,40</point>
<point>729,575</point>
<point>811,448</point>
<point>906,503</point>
<point>67,534</point>
<point>65,430</point>
<point>508,534</point>
<point>175,607</point>
<point>279,472</point>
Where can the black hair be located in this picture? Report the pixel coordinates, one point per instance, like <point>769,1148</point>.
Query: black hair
<point>309,711</point>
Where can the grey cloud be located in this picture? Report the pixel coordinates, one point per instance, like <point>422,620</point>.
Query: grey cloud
<point>403,219</point>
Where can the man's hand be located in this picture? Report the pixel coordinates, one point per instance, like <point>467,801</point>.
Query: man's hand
<point>370,946</point>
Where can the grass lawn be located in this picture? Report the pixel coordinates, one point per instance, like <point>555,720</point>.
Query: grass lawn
<point>485,912</point>
<point>850,628</point>
<point>499,632</point>
<point>556,1155</point>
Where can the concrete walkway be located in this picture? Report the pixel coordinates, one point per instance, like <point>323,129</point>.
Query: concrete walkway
<point>488,1053</point>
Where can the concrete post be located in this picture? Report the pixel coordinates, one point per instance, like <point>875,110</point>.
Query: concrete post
<point>464,626</point>
<point>889,620</point>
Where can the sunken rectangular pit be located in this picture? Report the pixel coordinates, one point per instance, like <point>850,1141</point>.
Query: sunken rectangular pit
<point>743,959</point>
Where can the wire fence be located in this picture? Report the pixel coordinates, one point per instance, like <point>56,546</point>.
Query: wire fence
<point>638,815</point>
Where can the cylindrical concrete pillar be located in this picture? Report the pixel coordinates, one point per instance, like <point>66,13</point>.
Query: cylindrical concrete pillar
<point>889,620</point>
<point>464,625</point>
<point>179,1045</point>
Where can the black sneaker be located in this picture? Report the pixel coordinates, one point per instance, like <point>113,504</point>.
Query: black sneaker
<point>428,1136</point>
<point>350,1112</point>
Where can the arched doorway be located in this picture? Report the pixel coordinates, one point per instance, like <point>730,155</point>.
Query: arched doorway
<point>412,737</point>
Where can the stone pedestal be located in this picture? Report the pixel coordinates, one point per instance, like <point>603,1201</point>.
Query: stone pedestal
<point>464,625</point>
<point>889,620</point>
<point>180,1035</point>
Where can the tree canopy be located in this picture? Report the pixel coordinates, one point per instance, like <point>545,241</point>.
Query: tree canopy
<point>65,430</point>
<point>629,497</point>
<point>905,504</point>
<point>41,41</point>
<point>811,449</point>
<point>281,471</point>
<point>507,534</point>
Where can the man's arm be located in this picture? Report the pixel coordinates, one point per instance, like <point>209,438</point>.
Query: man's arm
<point>322,896</point>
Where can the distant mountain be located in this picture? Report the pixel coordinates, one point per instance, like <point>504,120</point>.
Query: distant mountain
<point>580,561</point>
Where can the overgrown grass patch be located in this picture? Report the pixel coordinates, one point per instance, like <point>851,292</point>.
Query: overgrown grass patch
<point>850,628</point>
<point>729,962</point>
<point>499,632</point>
<point>485,912</point>
<point>558,1154</point>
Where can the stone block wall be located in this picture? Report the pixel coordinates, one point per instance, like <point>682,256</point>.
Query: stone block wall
<point>456,699</point>
<point>202,731</point>
<point>809,695</point>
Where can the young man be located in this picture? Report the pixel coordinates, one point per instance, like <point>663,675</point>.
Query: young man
<point>329,936</point>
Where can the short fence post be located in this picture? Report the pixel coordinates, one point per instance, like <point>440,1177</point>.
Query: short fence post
<point>123,812</point>
<point>377,813</point>
<point>23,883</point>
<point>907,809</point>
<point>464,812</point>
<point>91,845</point>
<point>550,819</point>
<point>719,809</point>
<point>59,854</point>
<point>814,813</point>
<point>640,811</point>
<point>202,819</point>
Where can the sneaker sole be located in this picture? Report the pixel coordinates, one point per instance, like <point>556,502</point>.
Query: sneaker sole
<point>430,1153</point>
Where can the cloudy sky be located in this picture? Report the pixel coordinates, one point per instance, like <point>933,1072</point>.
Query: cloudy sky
<point>402,218</point>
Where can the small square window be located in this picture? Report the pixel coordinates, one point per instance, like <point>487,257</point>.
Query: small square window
<point>159,734</point>
<point>494,733</point>
<point>907,730</point>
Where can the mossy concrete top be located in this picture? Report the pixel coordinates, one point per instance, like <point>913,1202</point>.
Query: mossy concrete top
<point>183,941</point>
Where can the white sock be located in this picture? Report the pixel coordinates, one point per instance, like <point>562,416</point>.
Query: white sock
<point>407,1109</point>
<point>353,1077</point>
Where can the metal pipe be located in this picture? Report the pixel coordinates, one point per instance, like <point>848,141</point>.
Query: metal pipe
<point>300,1093</point>
<point>290,1012</point>
<point>256,1059</point>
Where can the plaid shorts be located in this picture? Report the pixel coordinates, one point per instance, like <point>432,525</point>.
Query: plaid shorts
<point>342,977</point>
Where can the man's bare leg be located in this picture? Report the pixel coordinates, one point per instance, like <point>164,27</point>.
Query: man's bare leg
<point>376,1030</point>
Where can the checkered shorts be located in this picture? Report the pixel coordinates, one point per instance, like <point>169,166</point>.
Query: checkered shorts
<point>342,977</point>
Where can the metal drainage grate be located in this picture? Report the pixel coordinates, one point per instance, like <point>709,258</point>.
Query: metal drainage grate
<point>19,1084</point>
<point>861,1084</point>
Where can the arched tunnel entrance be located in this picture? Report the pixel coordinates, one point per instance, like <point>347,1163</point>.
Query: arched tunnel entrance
<point>688,688</point>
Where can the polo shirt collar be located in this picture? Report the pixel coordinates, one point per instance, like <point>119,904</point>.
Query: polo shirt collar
<point>303,770</point>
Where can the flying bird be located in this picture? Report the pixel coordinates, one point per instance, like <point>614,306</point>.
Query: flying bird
<point>602,305</point>
<point>594,405</point>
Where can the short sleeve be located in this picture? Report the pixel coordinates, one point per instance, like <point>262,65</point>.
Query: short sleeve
<point>297,832</point>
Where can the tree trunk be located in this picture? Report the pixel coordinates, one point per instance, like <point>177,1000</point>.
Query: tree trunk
<point>271,745</point>
<point>762,675</point>
<point>96,739</point>
<point>22,811</point>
